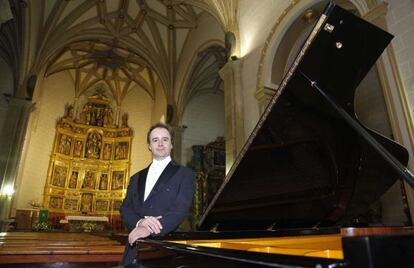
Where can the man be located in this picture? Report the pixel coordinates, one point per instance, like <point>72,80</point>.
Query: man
<point>159,196</point>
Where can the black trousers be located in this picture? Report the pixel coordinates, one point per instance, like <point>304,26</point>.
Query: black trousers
<point>130,259</point>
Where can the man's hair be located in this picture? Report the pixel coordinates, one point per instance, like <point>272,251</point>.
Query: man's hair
<point>161,125</point>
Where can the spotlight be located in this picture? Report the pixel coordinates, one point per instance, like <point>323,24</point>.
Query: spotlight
<point>8,190</point>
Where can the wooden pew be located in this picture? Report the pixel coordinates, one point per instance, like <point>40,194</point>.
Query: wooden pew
<point>49,247</point>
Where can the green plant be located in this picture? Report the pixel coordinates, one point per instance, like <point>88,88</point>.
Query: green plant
<point>88,226</point>
<point>42,226</point>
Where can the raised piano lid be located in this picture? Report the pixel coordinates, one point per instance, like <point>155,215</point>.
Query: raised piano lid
<point>303,166</point>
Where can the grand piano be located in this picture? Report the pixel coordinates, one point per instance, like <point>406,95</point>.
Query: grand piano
<point>295,195</point>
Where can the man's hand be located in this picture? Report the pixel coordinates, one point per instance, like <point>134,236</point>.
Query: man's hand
<point>152,224</point>
<point>137,233</point>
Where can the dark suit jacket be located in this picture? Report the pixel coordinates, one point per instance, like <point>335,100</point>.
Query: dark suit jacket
<point>170,198</point>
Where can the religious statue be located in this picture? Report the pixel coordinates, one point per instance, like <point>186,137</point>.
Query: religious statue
<point>107,151</point>
<point>117,180</point>
<point>85,114</point>
<point>124,120</point>
<point>69,112</point>
<point>118,153</point>
<point>99,117</point>
<point>230,46</point>
<point>73,181</point>
<point>93,145</point>
<point>64,144</point>
<point>71,204</point>
<point>101,205</point>
<point>89,115</point>
<point>77,150</point>
<point>89,180</point>
<point>121,150</point>
<point>61,148</point>
<point>56,202</point>
<point>59,176</point>
<point>98,112</point>
<point>86,203</point>
<point>108,117</point>
<point>103,183</point>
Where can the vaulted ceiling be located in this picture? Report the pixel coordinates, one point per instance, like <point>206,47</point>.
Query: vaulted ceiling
<point>123,43</point>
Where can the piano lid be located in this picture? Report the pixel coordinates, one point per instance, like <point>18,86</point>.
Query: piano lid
<point>303,165</point>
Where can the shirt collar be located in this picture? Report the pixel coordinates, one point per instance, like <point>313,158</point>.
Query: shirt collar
<point>163,162</point>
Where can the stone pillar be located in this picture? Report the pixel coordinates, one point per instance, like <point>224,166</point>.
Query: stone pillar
<point>233,109</point>
<point>178,140</point>
<point>396,101</point>
<point>14,115</point>
<point>264,95</point>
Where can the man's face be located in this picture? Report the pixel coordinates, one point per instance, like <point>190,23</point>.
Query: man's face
<point>160,143</point>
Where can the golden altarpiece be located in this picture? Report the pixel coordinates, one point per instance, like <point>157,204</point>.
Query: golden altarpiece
<point>90,161</point>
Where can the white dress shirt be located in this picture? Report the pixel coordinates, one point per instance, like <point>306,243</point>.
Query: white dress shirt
<point>154,172</point>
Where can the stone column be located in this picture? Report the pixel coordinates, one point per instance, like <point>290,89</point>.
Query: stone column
<point>233,109</point>
<point>264,95</point>
<point>178,140</point>
<point>396,101</point>
<point>14,115</point>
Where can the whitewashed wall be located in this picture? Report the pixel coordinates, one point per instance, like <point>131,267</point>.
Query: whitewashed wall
<point>204,118</point>
<point>256,21</point>
<point>138,104</point>
<point>159,109</point>
<point>57,91</point>
<point>207,33</point>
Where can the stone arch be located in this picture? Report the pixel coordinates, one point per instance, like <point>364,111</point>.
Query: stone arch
<point>279,29</point>
<point>6,78</point>
<point>264,85</point>
<point>202,101</point>
<point>214,55</point>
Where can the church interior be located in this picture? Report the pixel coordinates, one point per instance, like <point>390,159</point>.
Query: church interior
<point>81,82</point>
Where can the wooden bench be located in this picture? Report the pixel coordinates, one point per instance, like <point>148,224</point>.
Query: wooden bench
<point>50,247</point>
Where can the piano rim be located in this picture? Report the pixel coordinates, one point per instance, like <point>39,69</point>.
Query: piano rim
<point>251,257</point>
<point>257,258</point>
<point>172,242</point>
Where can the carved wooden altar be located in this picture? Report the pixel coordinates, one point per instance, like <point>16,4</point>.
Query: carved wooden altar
<point>208,163</point>
<point>90,160</point>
